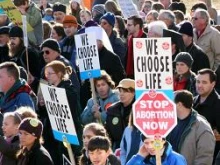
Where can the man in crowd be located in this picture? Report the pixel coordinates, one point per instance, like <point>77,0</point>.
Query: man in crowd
<point>16,92</point>
<point>155,29</point>
<point>59,12</point>
<point>207,102</point>
<point>168,17</point>
<point>192,137</point>
<point>107,22</point>
<point>207,37</point>
<point>199,57</point>
<point>135,30</point>
<point>4,39</point>
<point>68,44</point>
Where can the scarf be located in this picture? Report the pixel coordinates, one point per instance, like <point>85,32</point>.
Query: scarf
<point>130,57</point>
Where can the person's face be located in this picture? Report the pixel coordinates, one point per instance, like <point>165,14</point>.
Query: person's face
<point>9,127</point>
<point>197,20</point>
<point>54,35</point>
<point>58,16</point>
<point>69,30</point>
<point>126,97</point>
<point>43,2</point>
<point>186,39</point>
<point>181,68</point>
<point>166,3</point>
<point>131,27</point>
<point>203,85</point>
<point>87,135</point>
<point>84,17</point>
<point>23,7</point>
<point>74,5</point>
<point>26,139</point>
<point>105,25</point>
<point>149,18</point>
<point>147,7</point>
<point>52,77</point>
<point>49,54</point>
<point>4,39</point>
<point>149,145</point>
<point>102,88</point>
<point>6,80</point>
<point>14,42</point>
<point>98,156</point>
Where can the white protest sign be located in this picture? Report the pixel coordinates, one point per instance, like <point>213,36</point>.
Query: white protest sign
<point>59,113</point>
<point>24,26</point>
<point>153,64</point>
<point>66,160</point>
<point>128,8</point>
<point>87,54</point>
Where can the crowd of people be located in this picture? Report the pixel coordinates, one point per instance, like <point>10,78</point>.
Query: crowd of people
<point>104,119</point>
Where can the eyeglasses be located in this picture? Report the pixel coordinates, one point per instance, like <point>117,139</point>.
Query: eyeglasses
<point>49,74</point>
<point>46,52</point>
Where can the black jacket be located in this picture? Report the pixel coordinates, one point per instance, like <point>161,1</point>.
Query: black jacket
<point>4,54</point>
<point>200,59</point>
<point>111,63</point>
<point>210,109</point>
<point>9,150</point>
<point>37,155</point>
<point>116,121</point>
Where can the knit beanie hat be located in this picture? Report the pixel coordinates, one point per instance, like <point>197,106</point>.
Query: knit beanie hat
<point>70,20</point>
<point>99,8</point>
<point>109,17</point>
<point>4,30</point>
<point>186,28</point>
<point>32,126</point>
<point>59,7</point>
<point>185,58</point>
<point>52,44</point>
<point>16,31</point>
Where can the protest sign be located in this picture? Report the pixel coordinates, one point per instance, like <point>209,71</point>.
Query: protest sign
<point>59,113</point>
<point>128,8</point>
<point>13,13</point>
<point>87,54</point>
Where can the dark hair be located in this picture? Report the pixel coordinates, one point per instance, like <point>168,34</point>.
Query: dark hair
<point>96,128</point>
<point>137,20</point>
<point>121,25</point>
<point>157,6</point>
<point>12,69</point>
<point>47,29</point>
<point>179,15</point>
<point>131,90</point>
<point>198,5</point>
<point>107,78</point>
<point>210,72</point>
<point>20,2</point>
<point>59,30</point>
<point>185,97</point>
<point>99,142</point>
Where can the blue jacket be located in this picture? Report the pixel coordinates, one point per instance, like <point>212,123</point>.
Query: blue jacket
<point>19,95</point>
<point>169,158</point>
<point>87,114</point>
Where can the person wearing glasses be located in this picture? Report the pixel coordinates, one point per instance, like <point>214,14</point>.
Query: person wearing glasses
<point>207,37</point>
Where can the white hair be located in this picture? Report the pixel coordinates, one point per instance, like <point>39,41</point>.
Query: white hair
<point>157,27</point>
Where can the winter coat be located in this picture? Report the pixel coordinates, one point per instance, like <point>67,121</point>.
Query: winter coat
<point>197,138</point>
<point>169,157</point>
<point>4,51</point>
<point>209,42</point>
<point>9,150</point>
<point>127,145</point>
<point>200,59</point>
<point>37,155</point>
<point>117,121</point>
<point>118,46</point>
<point>18,95</point>
<point>111,63</point>
<point>34,18</point>
<point>87,115</point>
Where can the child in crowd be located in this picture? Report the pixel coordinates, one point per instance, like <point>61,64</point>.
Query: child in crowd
<point>99,149</point>
<point>89,131</point>
<point>32,152</point>
<point>9,144</point>
<point>48,15</point>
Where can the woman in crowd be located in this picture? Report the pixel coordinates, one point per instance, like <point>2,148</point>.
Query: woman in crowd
<point>57,32</point>
<point>118,113</point>
<point>89,131</point>
<point>96,112</point>
<point>75,9</point>
<point>111,6</point>
<point>32,152</point>
<point>147,6</point>
<point>57,74</point>
<point>9,144</point>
